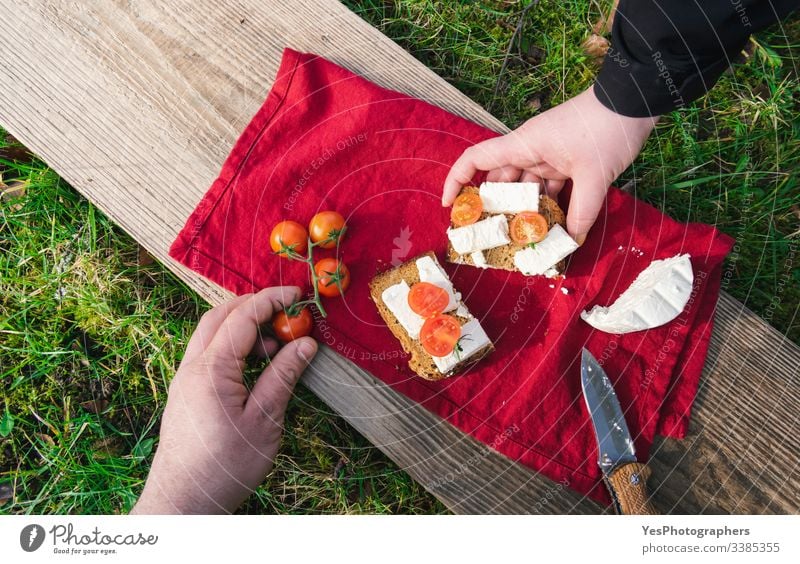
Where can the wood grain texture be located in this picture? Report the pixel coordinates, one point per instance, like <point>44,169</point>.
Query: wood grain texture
<point>137,103</point>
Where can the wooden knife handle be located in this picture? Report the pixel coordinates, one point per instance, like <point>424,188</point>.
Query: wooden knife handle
<point>628,487</point>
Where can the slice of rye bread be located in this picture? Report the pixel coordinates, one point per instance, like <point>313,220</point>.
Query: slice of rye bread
<point>503,257</point>
<point>421,362</point>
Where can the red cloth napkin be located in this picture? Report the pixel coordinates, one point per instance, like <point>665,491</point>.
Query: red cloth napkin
<point>326,138</point>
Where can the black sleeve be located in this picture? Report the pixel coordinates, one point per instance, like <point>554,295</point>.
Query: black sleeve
<point>666,54</point>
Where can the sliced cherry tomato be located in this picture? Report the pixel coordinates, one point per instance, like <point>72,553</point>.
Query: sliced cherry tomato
<point>329,272</point>
<point>327,225</point>
<point>290,327</point>
<point>440,334</point>
<point>467,209</point>
<point>289,234</point>
<point>427,299</point>
<point>528,227</point>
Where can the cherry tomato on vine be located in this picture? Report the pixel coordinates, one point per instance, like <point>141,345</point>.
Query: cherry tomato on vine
<point>332,275</point>
<point>290,327</point>
<point>327,225</point>
<point>289,234</point>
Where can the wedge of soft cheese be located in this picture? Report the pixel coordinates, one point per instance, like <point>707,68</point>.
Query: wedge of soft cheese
<point>657,296</point>
<point>430,271</point>
<point>473,338</point>
<point>509,197</point>
<point>396,299</point>
<point>544,255</point>
<point>485,234</point>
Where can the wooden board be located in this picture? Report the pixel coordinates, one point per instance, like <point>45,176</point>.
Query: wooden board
<point>137,103</point>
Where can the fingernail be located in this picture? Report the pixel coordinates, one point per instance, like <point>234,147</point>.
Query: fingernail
<point>580,239</point>
<point>306,348</point>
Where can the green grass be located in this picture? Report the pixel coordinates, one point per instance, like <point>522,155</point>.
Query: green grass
<point>89,338</point>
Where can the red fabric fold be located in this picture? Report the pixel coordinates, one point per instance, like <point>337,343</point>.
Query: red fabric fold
<point>326,138</point>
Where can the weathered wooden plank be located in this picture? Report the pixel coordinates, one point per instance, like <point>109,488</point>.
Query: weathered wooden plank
<point>466,475</point>
<point>741,455</point>
<point>137,103</point>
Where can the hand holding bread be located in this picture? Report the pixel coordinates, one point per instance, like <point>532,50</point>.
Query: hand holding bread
<point>509,226</point>
<point>579,139</point>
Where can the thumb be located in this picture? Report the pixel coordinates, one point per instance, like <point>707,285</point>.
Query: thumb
<point>490,154</point>
<point>588,194</point>
<point>275,385</point>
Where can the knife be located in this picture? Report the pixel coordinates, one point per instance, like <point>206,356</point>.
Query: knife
<point>625,478</point>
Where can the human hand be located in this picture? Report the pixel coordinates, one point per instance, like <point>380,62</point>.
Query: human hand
<point>218,440</point>
<point>579,139</point>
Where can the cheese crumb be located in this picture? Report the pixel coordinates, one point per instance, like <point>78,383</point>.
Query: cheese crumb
<point>479,260</point>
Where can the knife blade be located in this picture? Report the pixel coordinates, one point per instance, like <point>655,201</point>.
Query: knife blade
<point>624,476</point>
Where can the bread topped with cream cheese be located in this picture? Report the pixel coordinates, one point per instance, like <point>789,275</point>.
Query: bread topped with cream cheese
<point>390,292</point>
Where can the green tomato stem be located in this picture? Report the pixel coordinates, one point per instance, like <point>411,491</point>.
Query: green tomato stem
<point>314,279</point>
<point>291,254</point>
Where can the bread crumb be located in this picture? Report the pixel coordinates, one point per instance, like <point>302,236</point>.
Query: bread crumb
<point>564,290</point>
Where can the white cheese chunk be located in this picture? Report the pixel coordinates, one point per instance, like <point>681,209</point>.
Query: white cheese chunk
<point>657,296</point>
<point>478,259</point>
<point>462,311</point>
<point>473,338</point>
<point>509,197</point>
<point>485,234</point>
<point>541,259</point>
<point>396,299</point>
<point>432,272</point>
